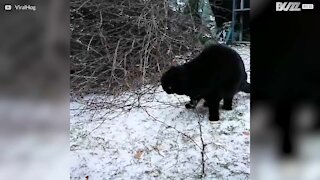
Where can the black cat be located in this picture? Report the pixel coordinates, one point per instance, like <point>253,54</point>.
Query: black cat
<point>217,73</point>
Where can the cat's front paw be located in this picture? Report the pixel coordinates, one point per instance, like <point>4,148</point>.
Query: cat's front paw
<point>213,117</point>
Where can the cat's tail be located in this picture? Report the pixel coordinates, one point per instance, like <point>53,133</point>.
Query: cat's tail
<point>245,87</point>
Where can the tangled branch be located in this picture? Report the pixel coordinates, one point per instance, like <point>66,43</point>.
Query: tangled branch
<point>121,45</point>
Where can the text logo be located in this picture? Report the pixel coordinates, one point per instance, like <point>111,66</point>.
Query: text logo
<point>7,7</point>
<point>288,6</point>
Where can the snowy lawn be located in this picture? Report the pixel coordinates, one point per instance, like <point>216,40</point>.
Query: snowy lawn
<point>149,134</point>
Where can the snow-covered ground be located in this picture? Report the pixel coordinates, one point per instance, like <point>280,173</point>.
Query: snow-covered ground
<point>149,134</point>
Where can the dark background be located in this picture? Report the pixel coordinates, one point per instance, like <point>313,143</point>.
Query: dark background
<point>285,80</point>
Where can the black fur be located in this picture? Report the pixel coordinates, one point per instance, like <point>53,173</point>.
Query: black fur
<point>217,73</point>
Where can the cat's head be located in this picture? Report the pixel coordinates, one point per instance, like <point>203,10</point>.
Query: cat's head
<point>174,80</point>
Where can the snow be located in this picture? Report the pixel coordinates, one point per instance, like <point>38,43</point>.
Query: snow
<point>154,137</point>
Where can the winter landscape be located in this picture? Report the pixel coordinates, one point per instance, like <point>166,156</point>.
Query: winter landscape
<point>148,134</point>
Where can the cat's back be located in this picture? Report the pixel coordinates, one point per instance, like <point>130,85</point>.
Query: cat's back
<point>215,59</point>
<point>214,56</point>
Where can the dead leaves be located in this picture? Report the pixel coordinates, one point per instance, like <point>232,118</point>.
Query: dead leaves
<point>138,154</point>
<point>246,133</point>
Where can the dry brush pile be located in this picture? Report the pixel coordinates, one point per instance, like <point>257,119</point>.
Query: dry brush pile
<point>120,45</point>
